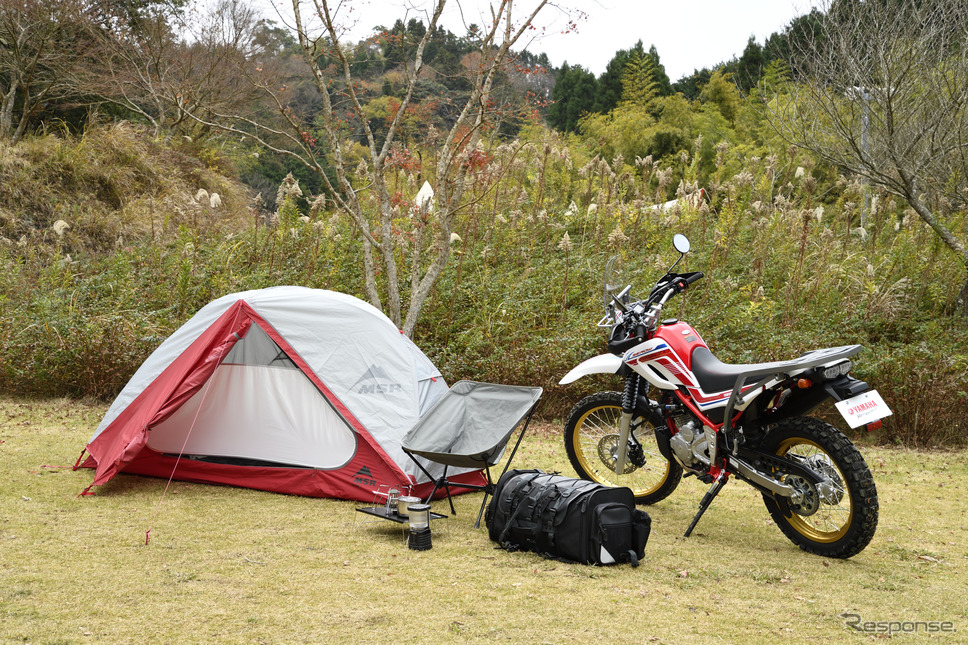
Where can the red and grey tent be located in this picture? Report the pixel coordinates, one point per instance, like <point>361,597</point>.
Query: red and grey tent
<point>287,389</point>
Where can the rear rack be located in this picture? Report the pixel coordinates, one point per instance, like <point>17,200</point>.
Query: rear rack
<point>814,358</point>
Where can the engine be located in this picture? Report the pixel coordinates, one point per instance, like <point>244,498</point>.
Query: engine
<point>689,444</point>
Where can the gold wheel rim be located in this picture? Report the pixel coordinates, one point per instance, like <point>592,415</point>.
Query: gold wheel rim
<point>602,421</point>
<point>831,521</point>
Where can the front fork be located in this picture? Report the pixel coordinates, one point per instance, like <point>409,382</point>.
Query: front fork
<point>629,396</point>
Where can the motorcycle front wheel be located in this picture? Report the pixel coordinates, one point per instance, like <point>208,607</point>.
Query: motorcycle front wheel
<point>591,441</point>
<point>836,518</point>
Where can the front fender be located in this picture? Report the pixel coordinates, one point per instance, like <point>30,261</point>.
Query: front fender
<point>602,364</point>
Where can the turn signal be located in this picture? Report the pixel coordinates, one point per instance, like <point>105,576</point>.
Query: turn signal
<point>804,383</point>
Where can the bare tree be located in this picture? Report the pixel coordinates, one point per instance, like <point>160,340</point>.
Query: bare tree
<point>39,44</point>
<point>360,191</point>
<point>167,64</point>
<point>884,95</point>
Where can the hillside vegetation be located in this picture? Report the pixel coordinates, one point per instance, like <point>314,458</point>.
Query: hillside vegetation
<point>154,157</point>
<point>108,246</point>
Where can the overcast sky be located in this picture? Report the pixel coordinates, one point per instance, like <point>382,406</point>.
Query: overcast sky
<point>688,34</point>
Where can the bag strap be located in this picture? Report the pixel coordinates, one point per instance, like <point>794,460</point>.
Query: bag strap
<point>538,499</point>
<point>552,495</point>
<point>577,488</point>
<point>517,509</point>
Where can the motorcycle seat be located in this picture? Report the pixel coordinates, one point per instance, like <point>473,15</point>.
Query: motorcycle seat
<point>714,375</point>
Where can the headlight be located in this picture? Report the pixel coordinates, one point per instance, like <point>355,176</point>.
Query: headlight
<point>836,371</point>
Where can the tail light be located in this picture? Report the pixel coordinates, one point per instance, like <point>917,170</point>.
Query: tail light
<point>836,371</point>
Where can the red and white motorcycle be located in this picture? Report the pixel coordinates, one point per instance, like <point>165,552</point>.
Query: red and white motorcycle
<point>683,410</point>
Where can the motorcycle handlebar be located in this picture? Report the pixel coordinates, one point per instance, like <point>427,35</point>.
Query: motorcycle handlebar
<point>680,283</point>
<point>677,284</point>
<point>694,276</point>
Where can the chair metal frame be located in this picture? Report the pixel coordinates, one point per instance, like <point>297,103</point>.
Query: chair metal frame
<point>443,483</point>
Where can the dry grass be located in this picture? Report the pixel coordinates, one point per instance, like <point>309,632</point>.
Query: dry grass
<point>113,183</point>
<point>234,565</point>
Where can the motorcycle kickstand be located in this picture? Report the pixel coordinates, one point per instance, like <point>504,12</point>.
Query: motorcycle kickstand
<point>707,499</point>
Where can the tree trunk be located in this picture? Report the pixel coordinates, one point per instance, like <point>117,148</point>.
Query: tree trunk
<point>913,198</point>
<point>962,302</point>
<point>942,231</point>
<point>7,101</point>
<point>370,273</point>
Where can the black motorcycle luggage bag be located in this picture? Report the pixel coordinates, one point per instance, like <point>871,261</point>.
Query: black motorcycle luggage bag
<point>568,519</point>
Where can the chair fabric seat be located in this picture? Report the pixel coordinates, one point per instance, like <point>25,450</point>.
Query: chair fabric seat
<point>471,424</point>
<point>469,427</point>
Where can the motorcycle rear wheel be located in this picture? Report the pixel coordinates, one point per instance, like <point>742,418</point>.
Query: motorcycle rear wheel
<point>838,522</point>
<point>591,437</point>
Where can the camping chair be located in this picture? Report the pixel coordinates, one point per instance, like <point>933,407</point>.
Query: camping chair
<point>469,427</point>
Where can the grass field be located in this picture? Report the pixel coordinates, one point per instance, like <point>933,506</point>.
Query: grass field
<point>241,566</point>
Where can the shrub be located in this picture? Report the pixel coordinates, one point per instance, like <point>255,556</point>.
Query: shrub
<point>785,272</point>
<point>926,386</point>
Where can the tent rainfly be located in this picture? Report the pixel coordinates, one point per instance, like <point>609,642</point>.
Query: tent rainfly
<point>286,389</point>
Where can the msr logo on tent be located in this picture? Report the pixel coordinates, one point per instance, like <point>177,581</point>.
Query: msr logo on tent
<point>364,476</point>
<point>369,382</point>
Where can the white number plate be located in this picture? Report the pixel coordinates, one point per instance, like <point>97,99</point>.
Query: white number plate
<point>863,409</point>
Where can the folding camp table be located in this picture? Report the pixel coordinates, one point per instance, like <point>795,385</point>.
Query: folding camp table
<point>469,427</point>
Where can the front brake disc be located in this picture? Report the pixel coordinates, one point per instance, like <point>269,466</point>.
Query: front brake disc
<point>608,453</point>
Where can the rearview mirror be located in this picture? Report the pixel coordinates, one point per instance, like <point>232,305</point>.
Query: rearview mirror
<point>681,242</point>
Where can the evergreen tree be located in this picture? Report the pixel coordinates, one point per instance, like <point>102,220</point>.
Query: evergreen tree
<point>392,45</point>
<point>785,45</point>
<point>364,60</point>
<point>723,93</point>
<point>663,86</point>
<point>638,82</point>
<point>750,66</point>
<point>400,42</point>
<point>573,95</point>
<point>610,82</point>
<point>691,86</point>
